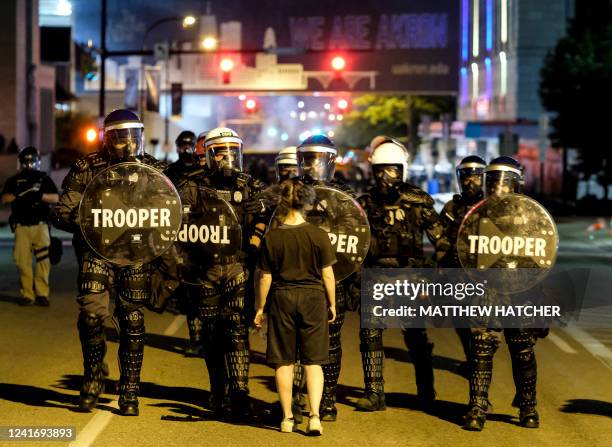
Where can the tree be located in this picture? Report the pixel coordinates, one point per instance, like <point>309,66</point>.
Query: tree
<point>576,86</point>
<point>394,116</point>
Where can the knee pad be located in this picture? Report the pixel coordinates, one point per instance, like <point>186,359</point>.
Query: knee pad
<point>371,340</point>
<point>91,327</point>
<point>132,328</point>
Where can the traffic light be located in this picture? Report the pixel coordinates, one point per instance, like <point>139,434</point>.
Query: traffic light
<point>338,63</point>
<point>226,65</point>
<point>343,105</point>
<point>251,105</point>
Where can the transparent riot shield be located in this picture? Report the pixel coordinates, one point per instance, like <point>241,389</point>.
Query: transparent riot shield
<point>130,213</point>
<point>511,232</point>
<point>346,224</point>
<point>209,235</point>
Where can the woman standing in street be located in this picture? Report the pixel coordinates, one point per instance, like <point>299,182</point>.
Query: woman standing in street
<point>296,265</point>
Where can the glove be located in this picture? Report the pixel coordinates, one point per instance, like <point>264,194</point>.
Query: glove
<point>255,205</point>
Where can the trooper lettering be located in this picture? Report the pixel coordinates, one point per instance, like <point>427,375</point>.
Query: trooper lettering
<point>344,243</point>
<point>131,218</point>
<point>215,234</point>
<point>507,245</point>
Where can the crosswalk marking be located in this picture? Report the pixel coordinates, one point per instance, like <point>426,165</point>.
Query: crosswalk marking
<point>591,344</point>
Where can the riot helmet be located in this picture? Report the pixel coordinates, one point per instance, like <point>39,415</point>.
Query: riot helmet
<point>123,135</point>
<point>503,175</point>
<point>470,176</point>
<point>286,164</point>
<point>316,158</point>
<point>29,158</point>
<point>389,160</point>
<point>185,144</point>
<point>223,149</point>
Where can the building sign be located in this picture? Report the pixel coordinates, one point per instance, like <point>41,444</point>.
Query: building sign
<point>388,45</point>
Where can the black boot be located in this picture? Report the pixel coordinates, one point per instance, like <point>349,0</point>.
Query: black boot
<point>93,345</point>
<point>475,419</point>
<point>372,358</point>
<point>481,371</point>
<point>528,417</point>
<point>524,372</point>
<point>372,401</point>
<point>131,349</point>
<point>331,371</point>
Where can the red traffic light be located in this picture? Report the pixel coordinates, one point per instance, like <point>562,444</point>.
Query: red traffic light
<point>338,63</point>
<point>250,105</point>
<point>226,65</point>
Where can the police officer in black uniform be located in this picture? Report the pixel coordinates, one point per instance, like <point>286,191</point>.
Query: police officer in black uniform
<point>178,172</point>
<point>221,294</point>
<point>30,193</point>
<point>470,176</point>
<point>399,214</point>
<point>503,175</point>
<point>123,141</point>
<point>316,157</point>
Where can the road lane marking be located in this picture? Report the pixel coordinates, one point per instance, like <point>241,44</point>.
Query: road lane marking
<point>176,324</point>
<point>94,427</point>
<point>101,418</point>
<point>561,344</point>
<point>591,344</point>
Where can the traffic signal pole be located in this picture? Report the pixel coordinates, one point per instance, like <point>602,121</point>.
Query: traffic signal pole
<point>103,55</point>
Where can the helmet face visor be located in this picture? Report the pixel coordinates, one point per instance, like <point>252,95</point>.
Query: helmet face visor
<point>32,163</point>
<point>502,182</point>
<point>285,171</point>
<point>224,156</point>
<point>316,165</point>
<point>387,176</point>
<point>124,144</point>
<point>470,181</point>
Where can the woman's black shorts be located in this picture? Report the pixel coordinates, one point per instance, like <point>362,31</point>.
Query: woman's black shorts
<point>298,316</point>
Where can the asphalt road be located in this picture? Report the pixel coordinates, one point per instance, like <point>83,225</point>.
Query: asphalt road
<point>40,374</point>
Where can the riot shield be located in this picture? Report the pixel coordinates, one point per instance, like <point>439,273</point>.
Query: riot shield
<point>346,224</point>
<point>210,234</point>
<point>130,213</point>
<point>511,232</point>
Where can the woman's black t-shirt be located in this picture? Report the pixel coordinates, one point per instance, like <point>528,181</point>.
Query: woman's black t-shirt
<point>295,256</point>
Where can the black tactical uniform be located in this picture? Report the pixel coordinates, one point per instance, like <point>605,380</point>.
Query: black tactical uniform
<point>98,279</point>
<point>221,294</point>
<point>397,223</point>
<point>503,175</point>
<point>470,174</point>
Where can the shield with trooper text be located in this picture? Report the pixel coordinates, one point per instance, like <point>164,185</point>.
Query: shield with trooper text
<point>346,224</point>
<point>512,232</point>
<point>209,235</point>
<point>130,213</point>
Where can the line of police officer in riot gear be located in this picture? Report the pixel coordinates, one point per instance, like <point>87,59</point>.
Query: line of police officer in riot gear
<point>216,295</point>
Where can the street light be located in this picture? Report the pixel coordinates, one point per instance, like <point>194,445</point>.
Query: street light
<point>188,21</point>
<point>209,43</point>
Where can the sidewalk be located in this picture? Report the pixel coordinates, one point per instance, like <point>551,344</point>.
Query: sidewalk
<point>6,237</point>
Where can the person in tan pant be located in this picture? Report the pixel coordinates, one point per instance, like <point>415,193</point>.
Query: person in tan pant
<point>30,193</point>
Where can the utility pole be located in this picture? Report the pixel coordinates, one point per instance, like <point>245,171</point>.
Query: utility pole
<point>102,98</point>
